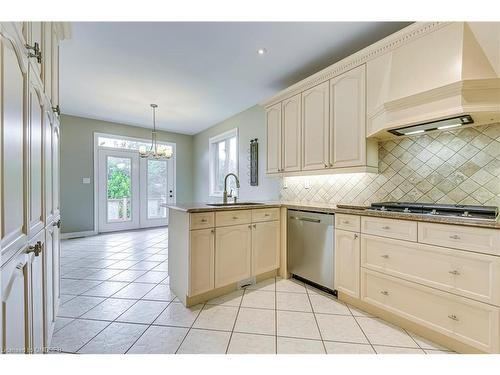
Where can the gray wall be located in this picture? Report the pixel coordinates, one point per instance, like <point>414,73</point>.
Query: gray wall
<point>77,161</point>
<point>250,124</point>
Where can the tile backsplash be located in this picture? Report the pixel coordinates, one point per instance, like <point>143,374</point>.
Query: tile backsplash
<point>455,166</point>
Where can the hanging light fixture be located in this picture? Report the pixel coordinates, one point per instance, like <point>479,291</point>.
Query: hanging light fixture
<point>155,151</point>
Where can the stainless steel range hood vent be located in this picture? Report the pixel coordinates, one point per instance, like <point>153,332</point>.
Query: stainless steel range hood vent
<point>449,123</point>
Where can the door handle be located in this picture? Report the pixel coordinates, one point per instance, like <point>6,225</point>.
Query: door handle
<point>36,248</point>
<point>306,219</point>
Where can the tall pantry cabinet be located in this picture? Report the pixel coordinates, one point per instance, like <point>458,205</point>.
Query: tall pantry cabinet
<point>29,183</point>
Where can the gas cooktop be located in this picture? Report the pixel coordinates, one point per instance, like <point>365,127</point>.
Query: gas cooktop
<point>454,210</point>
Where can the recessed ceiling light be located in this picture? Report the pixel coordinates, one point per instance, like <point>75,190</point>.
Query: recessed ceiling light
<point>262,51</point>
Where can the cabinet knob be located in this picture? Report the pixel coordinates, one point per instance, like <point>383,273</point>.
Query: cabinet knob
<point>203,220</point>
<point>385,256</point>
<point>455,237</point>
<point>212,231</point>
<point>355,236</point>
<point>250,227</point>
<point>386,227</point>
<point>453,317</point>
<point>326,165</point>
<point>454,272</point>
<point>255,226</point>
<point>235,217</point>
<point>266,214</point>
<point>384,292</point>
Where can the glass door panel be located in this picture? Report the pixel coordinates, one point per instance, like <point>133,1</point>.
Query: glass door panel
<point>156,189</point>
<point>119,189</point>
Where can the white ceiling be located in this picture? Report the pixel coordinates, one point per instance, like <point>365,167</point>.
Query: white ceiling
<point>198,73</point>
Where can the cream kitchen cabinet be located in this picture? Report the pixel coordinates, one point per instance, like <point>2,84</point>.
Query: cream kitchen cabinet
<point>348,143</point>
<point>233,254</point>
<point>265,246</point>
<point>347,258</point>
<point>273,137</point>
<point>201,261</point>
<point>316,127</point>
<point>29,207</point>
<point>291,130</point>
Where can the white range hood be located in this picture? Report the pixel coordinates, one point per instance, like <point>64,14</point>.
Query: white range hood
<point>450,72</point>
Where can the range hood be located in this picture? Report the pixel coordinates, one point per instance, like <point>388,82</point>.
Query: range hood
<point>450,76</point>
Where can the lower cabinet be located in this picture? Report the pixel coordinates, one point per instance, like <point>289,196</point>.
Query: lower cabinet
<point>265,247</point>
<point>233,252</point>
<point>201,261</point>
<point>347,262</point>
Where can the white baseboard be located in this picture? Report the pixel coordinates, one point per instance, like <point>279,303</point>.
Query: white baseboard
<point>87,233</point>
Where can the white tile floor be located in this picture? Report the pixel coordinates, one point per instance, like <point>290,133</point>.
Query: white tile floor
<point>116,299</point>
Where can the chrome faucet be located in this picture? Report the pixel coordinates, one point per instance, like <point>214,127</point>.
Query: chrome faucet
<point>226,195</point>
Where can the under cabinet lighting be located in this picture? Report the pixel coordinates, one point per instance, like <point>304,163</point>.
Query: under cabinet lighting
<point>448,123</point>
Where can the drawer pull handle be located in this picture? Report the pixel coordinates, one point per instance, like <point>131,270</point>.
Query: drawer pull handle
<point>385,256</point>
<point>386,227</point>
<point>345,221</point>
<point>454,272</point>
<point>266,214</point>
<point>355,236</point>
<point>384,292</point>
<point>455,237</point>
<point>249,227</point>
<point>235,217</point>
<point>203,220</point>
<point>453,317</point>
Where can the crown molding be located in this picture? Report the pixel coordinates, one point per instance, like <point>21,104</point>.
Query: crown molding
<point>389,43</point>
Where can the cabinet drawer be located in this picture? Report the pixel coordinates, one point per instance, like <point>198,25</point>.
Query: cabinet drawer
<point>347,222</point>
<point>202,220</point>
<point>482,240</point>
<point>398,229</point>
<point>468,321</point>
<point>265,214</point>
<point>225,218</point>
<point>467,274</point>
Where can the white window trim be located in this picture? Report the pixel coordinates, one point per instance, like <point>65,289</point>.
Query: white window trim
<point>211,141</point>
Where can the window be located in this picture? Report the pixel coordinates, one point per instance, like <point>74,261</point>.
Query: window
<point>223,153</point>
<point>129,144</point>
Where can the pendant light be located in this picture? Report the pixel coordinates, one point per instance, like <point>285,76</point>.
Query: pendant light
<point>155,152</point>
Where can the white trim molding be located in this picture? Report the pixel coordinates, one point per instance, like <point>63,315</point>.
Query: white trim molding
<point>211,141</point>
<point>87,233</point>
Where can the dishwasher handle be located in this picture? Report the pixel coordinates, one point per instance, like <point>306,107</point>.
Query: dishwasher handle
<point>305,219</point>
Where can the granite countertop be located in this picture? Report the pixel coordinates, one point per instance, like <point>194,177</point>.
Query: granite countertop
<point>329,208</point>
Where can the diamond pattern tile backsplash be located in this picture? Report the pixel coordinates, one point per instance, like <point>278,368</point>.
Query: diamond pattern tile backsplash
<point>456,166</point>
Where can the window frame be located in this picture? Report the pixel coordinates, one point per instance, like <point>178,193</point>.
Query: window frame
<point>212,141</point>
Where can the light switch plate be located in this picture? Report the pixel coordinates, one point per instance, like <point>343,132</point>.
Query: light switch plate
<point>86,180</point>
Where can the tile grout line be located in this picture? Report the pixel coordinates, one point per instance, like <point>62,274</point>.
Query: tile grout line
<point>316,320</point>
<point>235,320</point>
<point>190,328</point>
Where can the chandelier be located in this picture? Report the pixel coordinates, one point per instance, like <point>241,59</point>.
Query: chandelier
<point>155,151</point>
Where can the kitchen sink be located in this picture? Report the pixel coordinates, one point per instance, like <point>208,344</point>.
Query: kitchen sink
<point>233,204</point>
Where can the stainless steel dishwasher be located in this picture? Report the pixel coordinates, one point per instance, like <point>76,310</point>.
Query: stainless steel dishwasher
<point>311,247</point>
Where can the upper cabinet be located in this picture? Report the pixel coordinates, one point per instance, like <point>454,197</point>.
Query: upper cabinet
<point>322,129</point>
<point>315,127</point>
<point>273,131</point>
<point>291,130</point>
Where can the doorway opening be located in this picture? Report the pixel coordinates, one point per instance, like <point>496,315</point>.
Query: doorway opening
<point>130,192</point>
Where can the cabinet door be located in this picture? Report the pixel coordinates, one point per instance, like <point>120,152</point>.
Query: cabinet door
<point>56,165</point>
<point>273,131</point>
<point>47,59</point>
<point>47,168</point>
<point>348,113</point>
<point>55,68</point>
<point>315,127</point>
<point>291,134</point>
<point>56,265</point>
<point>201,261</point>
<point>36,290</point>
<point>13,204</point>
<point>15,305</point>
<point>36,153</point>
<point>265,247</point>
<point>347,262</point>
<point>233,250</point>
<point>48,284</point>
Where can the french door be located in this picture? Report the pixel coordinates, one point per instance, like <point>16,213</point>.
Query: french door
<point>132,191</point>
